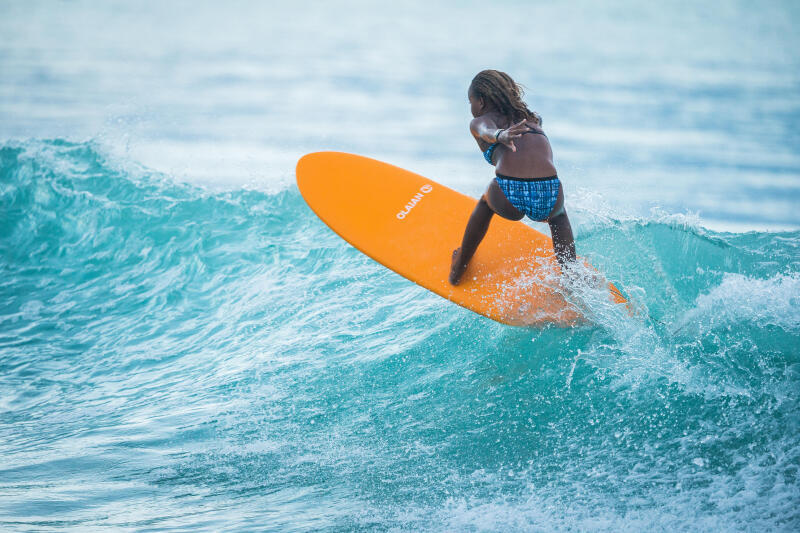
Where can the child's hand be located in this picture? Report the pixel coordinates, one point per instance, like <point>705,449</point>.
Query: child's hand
<point>510,134</point>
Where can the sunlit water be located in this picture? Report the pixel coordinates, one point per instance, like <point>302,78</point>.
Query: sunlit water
<point>184,345</point>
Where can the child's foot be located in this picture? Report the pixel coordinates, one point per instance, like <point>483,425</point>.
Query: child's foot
<point>457,269</point>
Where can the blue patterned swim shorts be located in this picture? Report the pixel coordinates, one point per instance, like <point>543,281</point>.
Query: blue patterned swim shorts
<point>533,196</point>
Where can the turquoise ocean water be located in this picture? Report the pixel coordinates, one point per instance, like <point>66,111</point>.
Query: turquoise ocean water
<point>185,346</point>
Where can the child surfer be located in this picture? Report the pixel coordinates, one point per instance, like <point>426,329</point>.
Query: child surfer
<point>525,180</point>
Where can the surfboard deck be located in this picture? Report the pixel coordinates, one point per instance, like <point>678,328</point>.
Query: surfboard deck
<point>411,224</point>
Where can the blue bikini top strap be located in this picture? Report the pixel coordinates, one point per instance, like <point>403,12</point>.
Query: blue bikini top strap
<point>531,130</point>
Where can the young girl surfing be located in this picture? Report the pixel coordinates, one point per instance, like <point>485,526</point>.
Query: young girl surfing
<point>511,138</point>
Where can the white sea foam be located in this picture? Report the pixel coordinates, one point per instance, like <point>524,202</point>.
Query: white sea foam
<point>741,299</point>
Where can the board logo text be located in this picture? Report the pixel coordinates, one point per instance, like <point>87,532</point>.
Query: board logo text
<point>425,189</point>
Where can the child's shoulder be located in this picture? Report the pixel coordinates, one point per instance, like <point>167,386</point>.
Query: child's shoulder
<point>488,120</point>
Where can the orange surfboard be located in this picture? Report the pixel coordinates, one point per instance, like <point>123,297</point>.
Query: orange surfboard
<point>411,224</point>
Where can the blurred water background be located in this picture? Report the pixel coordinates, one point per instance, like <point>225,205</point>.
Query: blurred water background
<point>184,345</point>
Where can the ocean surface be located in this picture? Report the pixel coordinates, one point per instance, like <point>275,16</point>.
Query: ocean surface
<point>185,346</point>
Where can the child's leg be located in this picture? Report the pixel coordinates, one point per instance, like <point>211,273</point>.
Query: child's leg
<point>493,201</point>
<point>563,241</point>
<point>561,231</point>
<point>476,229</point>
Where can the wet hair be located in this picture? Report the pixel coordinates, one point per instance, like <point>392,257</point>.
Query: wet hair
<point>503,93</point>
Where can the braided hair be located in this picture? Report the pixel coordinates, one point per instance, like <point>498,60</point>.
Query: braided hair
<point>504,94</point>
